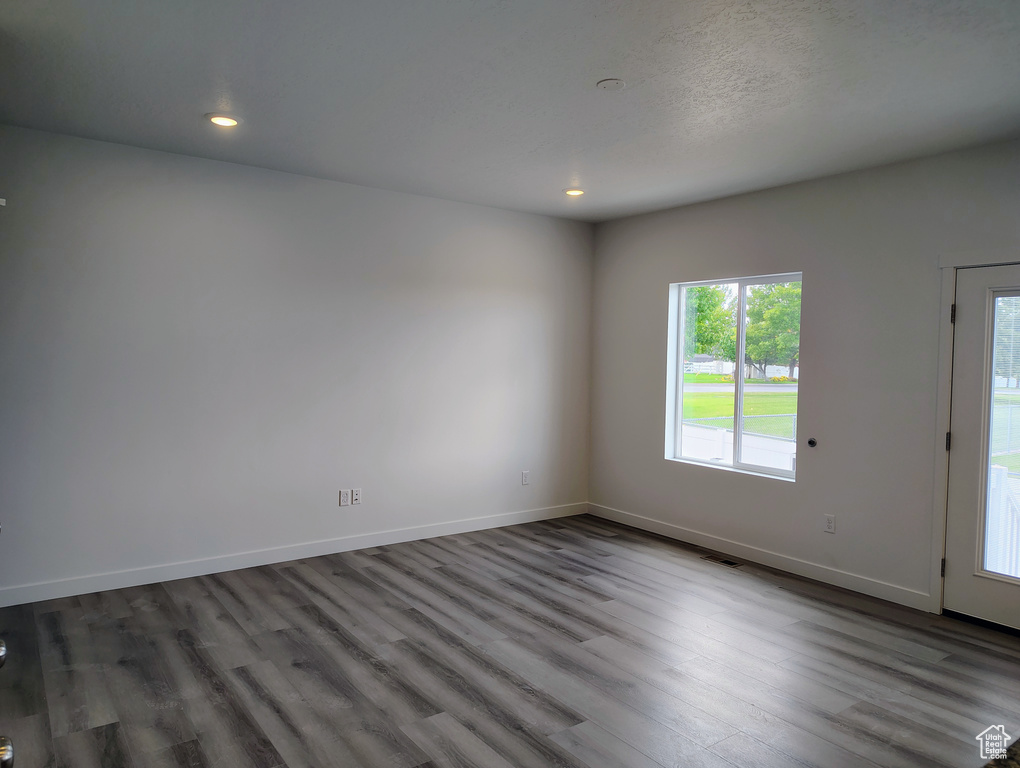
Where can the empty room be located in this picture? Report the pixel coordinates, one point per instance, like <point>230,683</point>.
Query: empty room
<point>473,383</point>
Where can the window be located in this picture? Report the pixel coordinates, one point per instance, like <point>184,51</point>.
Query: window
<point>720,412</point>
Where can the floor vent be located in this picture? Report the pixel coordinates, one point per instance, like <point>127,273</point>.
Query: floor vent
<point>721,561</point>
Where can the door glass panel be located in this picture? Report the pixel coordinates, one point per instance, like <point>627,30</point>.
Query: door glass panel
<point>1002,514</point>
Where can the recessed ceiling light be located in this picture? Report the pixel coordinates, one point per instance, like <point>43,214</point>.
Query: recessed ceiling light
<point>223,121</point>
<point>611,84</point>
<point>574,192</point>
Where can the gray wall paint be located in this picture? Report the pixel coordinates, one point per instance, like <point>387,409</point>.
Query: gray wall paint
<point>868,244</point>
<point>196,356</point>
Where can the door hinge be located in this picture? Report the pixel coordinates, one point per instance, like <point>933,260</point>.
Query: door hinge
<point>949,436</point>
<point>952,314</point>
<point>943,566</point>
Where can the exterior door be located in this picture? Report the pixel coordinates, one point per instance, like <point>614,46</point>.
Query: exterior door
<point>982,576</point>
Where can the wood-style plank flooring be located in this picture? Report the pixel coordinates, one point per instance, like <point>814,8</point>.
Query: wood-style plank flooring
<point>574,642</point>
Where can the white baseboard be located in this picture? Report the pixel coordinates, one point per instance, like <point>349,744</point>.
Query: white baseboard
<point>82,585</point>
<point>881,589</point>
<point>79,585</point>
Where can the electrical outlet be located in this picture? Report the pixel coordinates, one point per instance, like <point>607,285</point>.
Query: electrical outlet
<point>356,496</point>
<point>525,480</point>
<point>345,497</point>
<point>830,523</point>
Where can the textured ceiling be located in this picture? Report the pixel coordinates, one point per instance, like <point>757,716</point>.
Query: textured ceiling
<point>494,102</point>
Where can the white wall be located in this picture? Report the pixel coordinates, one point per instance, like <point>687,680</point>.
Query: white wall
<point>196,356</point>
<point>868,244</point>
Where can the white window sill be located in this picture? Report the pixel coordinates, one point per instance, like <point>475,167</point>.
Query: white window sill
<point>728,468</point>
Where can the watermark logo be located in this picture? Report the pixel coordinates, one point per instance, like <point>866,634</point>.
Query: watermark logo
<point>994,741</point>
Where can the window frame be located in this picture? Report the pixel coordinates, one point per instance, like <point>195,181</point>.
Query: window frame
<point>675,374</point>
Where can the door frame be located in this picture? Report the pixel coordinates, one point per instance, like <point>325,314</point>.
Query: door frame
<point>948,265</point>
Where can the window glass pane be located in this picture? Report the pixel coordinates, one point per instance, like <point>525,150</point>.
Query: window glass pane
<point>709,328</point>
<point>1002,513</point>
<point>771,369</point>
<point>727,412</point>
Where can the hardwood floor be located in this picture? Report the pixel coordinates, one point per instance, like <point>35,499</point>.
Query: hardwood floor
<point>575,642</point>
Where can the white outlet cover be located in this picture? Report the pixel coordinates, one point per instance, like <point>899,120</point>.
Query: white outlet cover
<point>345,498</point>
